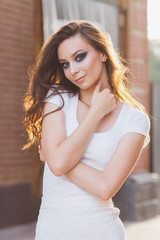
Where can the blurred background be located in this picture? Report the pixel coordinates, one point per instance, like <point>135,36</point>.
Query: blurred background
<point>24,26</point>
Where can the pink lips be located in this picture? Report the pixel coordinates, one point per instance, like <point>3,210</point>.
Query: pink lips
<point>80,79</point>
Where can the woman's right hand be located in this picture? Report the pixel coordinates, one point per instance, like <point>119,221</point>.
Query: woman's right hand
<point>103,101</point>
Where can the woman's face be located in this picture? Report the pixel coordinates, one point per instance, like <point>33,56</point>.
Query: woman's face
<point>81,63</point>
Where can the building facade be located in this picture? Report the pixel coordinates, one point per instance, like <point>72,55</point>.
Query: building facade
<point>22,33</point>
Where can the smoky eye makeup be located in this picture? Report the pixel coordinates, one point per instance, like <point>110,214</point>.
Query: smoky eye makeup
<point>77,59</point>
<point>80,56</point>
<point>64,65</point>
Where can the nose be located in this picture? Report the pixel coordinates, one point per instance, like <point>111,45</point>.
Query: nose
<point>73,69</point>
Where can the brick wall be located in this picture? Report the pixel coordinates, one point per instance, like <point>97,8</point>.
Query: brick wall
<point>17,43</point>
<point>20,29</point>
<point>137,55</point>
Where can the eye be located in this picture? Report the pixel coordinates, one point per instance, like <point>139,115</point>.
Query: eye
<point>65,65</point>
<point>80,57</point>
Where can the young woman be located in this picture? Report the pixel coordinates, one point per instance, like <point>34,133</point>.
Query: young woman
<point>92,134</point>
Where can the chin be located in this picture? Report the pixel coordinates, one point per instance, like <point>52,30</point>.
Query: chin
<point>85,85</point>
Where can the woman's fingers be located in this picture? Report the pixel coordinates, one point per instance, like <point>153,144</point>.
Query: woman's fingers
<point>97,88</point>
<point>103,101</point>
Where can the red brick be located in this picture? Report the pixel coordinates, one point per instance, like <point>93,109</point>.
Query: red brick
<point>137,55</point>
<point>17,52</point>
<point>137,46</point>
<point>138,17</point>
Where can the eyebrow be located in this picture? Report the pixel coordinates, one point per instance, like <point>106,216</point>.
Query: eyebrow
<point>72,54</point>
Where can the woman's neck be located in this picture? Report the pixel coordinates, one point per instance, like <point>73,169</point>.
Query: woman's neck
<point>86,95</point>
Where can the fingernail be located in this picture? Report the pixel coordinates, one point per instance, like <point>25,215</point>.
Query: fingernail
<point>99,81</point>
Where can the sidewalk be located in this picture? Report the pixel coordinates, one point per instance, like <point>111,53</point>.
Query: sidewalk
<point>146,230</point>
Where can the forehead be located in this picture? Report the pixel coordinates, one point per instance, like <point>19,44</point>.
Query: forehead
<point>71,45</point>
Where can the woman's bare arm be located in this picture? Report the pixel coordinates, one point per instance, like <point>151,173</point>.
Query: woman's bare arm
<point>61,152</point>
<point>105,184</point>
<point>64,153</point>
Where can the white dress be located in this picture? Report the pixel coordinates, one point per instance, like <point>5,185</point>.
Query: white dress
<point>69,213</point>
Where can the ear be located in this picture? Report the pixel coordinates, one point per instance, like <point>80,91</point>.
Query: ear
<point>103,57</point>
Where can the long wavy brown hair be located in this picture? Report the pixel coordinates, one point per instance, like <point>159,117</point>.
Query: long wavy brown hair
<point>47,73</point>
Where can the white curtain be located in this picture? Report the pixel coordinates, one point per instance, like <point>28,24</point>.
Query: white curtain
<point>105,15</point>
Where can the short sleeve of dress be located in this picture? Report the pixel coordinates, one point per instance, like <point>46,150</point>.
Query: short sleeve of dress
<point>59,99</point>
<point>138,122</point>
<point>56,99</point>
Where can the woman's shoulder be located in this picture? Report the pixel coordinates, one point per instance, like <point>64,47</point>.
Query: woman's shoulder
<point>60,97</point>
<point>133,112</point>
<point>135,118</point>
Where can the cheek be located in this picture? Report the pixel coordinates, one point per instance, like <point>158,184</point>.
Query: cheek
<point>93,65</point>
<point>67,75</point>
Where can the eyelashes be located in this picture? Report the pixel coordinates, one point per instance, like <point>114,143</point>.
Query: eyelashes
<point>79,58</point>
<point>65,65</point>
